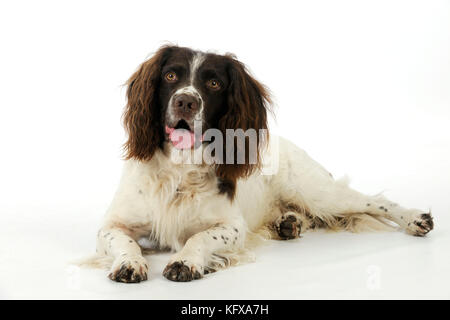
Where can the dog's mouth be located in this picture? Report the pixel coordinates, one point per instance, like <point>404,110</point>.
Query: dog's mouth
<point>182,136</point>
<point>182,124</point>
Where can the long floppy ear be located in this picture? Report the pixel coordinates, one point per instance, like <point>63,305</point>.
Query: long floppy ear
<point>248,104</point>
<point>142,115</point>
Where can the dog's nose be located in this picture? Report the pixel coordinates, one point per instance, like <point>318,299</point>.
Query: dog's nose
<point>187,103</point>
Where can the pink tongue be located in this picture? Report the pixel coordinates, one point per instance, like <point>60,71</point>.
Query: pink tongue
<point>181,138</point>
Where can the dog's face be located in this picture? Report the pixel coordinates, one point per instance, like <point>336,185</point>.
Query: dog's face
<point>178,86</point>
<point>193,86</point>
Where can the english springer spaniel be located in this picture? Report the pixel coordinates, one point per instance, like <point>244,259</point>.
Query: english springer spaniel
<point>204,179</point>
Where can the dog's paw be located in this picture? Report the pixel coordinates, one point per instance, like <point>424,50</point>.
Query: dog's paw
<point>182,271</point>
<point>421,224</point>
<point>129,269</point>
<point>288,226</point>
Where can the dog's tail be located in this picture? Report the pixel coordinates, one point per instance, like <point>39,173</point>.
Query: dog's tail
<point>95,261</point>
<point>361,222</point>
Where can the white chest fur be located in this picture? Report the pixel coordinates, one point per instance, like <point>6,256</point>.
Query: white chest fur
<point>171,201</point>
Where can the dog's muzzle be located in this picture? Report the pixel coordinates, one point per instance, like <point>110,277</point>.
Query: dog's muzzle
<point>185,106</point>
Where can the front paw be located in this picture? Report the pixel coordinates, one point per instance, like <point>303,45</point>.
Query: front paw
<point>421,224</point>
<point>129,269</point>
<point>182,271</point>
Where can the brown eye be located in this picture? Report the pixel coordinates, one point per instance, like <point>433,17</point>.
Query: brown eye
<point>213,84</point>
<point>171,76</point>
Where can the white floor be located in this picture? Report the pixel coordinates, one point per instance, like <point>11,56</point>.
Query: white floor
<point>36,249</point>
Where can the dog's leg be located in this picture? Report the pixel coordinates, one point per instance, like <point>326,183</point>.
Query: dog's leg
<point>129,265</point>
<point>414,221</point>
<point>306,186</point>
<point>192,261</point>
<point>340,206</point>
<point>356,211</point>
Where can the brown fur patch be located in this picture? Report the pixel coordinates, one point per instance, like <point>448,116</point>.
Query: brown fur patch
<point>248,104</point>
<point>227,187</point>
<point>142,115</point>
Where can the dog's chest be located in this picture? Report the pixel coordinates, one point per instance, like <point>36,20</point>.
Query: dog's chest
<point>175,198</point>
<point>179,187</point>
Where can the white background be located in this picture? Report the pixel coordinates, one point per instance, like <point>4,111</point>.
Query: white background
<point>363,86</point>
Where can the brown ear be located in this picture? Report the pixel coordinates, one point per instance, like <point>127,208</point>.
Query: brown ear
<point>142,115</point>
<point>248,104</point>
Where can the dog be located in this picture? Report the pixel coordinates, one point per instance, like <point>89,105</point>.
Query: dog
<point>210,212</point>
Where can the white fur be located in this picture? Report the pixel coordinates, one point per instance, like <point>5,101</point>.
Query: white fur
<point>179,207</point>
<point>195,64</point>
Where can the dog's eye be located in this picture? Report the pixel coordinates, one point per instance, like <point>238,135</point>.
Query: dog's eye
<point>213,84</point>
<point>171,76</point>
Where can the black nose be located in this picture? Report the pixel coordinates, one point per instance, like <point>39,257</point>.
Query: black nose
<point>187,103</point>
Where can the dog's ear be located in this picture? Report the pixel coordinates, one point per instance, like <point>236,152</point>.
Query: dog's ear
<point>142,115</point>
<point>248,105</point>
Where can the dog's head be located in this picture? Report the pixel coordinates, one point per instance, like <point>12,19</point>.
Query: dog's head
<point>178,86</point>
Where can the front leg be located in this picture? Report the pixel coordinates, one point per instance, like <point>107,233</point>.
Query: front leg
<point>129,265</point>
<point>192,262</point>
